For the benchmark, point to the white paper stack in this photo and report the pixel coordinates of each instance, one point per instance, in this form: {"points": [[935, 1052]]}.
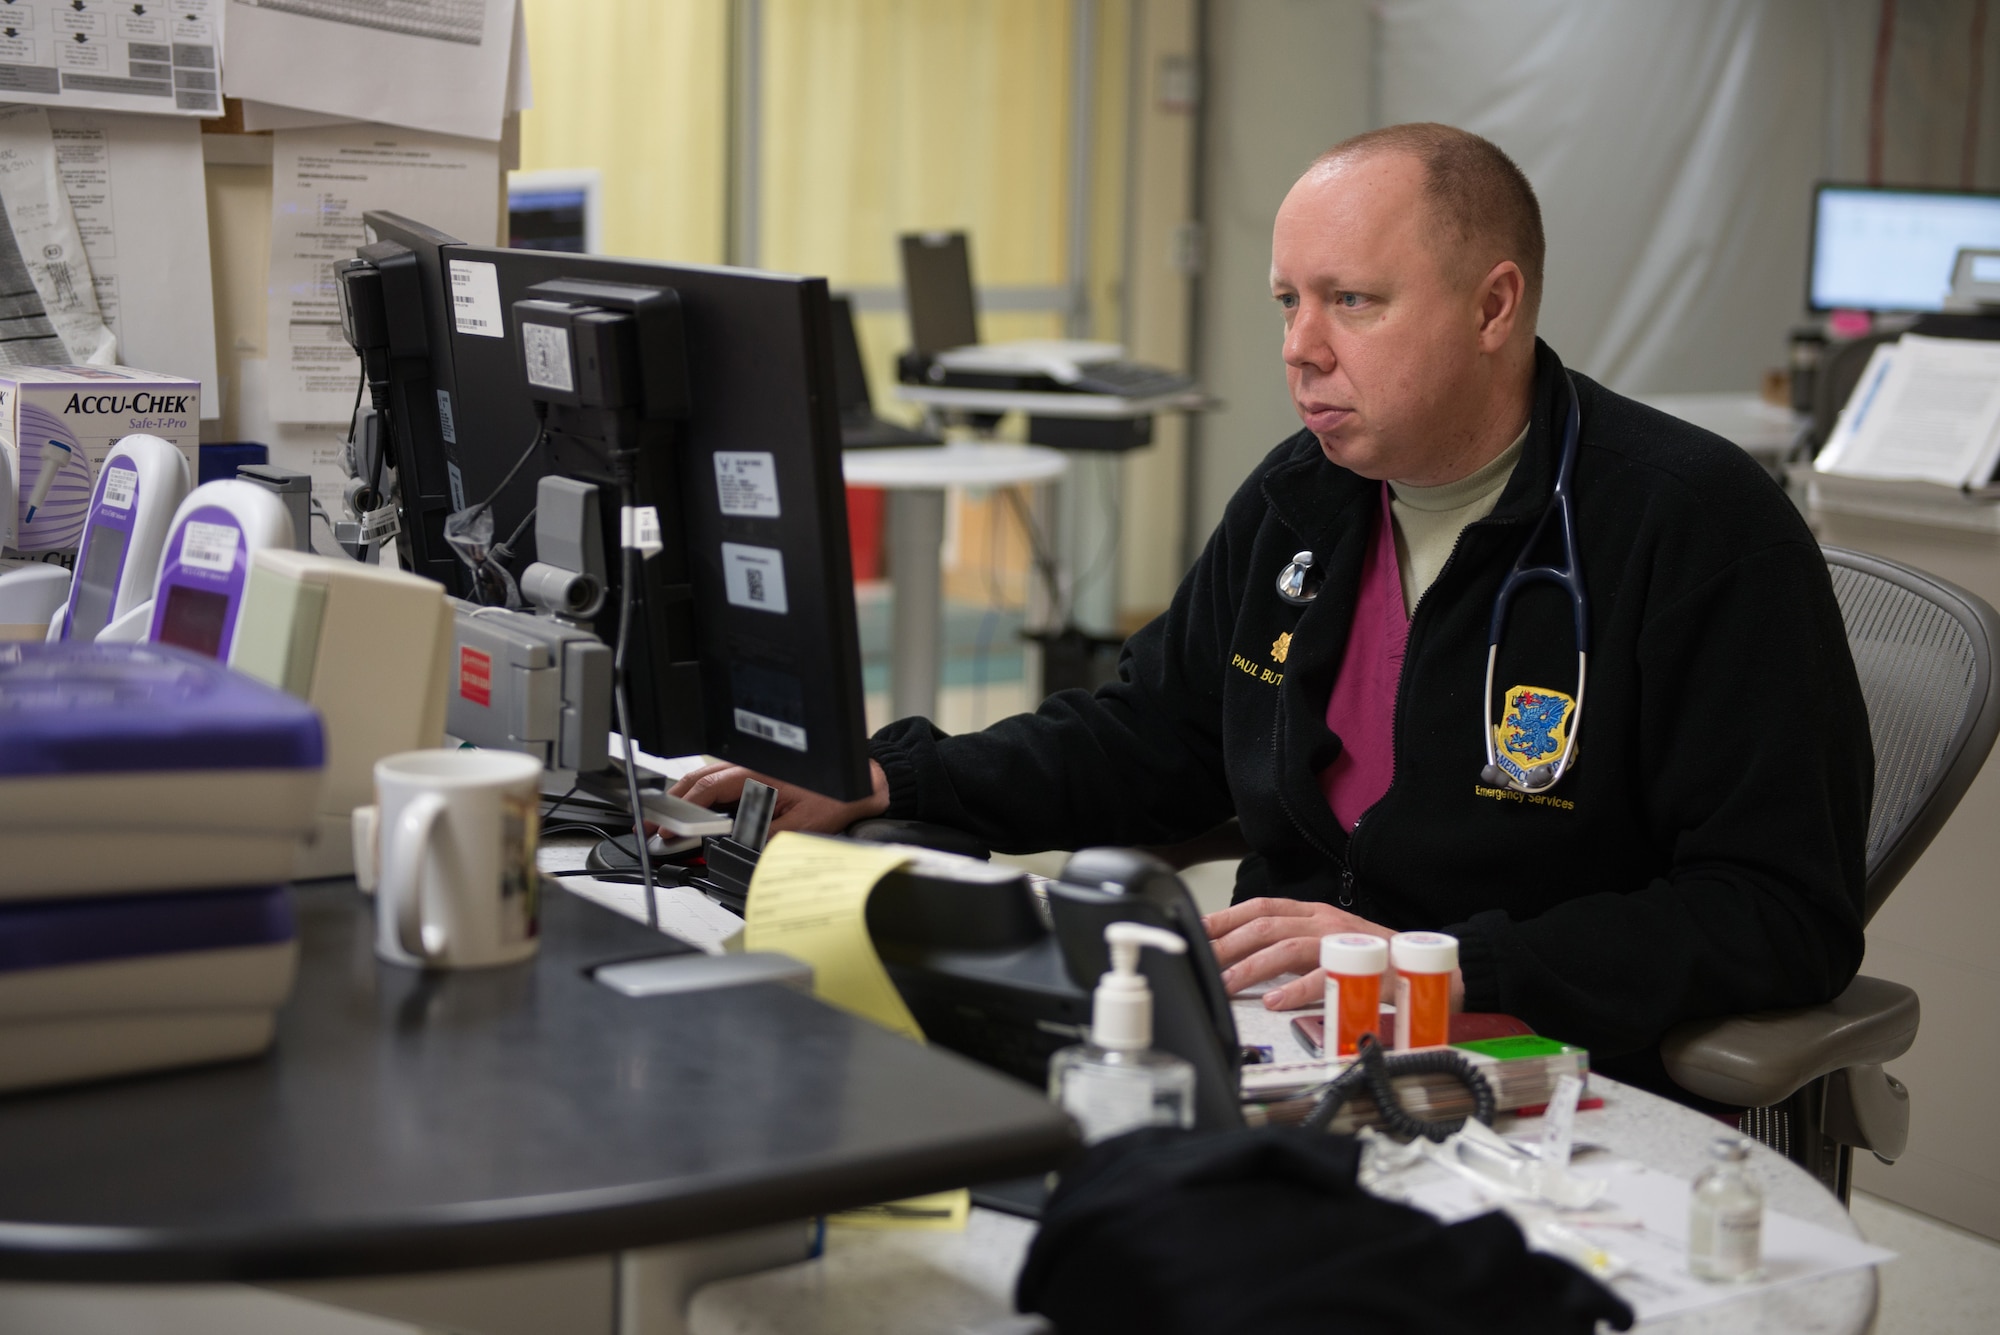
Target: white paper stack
{"points": [[1924, 410]]}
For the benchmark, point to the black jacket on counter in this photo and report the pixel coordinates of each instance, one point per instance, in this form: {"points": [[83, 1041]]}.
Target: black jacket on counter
{"points": [[1702, 857]]}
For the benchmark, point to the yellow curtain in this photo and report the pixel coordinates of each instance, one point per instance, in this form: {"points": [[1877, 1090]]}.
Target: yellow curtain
{"points": [[638, 89], [887, 116], [877, 117]]}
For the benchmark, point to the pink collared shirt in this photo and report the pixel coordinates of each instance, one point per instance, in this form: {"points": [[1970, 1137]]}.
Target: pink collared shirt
{"points": [[1362, 709]]}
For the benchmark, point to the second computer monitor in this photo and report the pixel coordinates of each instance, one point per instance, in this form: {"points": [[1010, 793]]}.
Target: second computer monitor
{"points": [[1876, 249]]}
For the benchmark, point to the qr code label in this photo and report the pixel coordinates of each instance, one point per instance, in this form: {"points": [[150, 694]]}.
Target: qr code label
{"points": [[754, 577], [545, 348]]}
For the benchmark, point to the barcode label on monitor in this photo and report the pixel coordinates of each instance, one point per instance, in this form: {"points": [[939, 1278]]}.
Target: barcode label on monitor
{"points": [[771, 730], [475, 299]]}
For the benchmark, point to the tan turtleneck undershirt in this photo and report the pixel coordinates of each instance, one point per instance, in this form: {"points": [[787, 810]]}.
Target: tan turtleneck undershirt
{"points": [[1429, 519]]}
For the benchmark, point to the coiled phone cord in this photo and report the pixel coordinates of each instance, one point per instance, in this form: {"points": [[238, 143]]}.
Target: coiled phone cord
{"points": [[1373, 1070]]}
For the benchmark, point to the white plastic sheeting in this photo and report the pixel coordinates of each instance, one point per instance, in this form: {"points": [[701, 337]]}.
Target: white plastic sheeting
{"points": [[1674, 149]]}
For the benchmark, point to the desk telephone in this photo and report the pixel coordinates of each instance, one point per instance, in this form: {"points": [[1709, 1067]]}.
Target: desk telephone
{"points": [[1001, 973]]}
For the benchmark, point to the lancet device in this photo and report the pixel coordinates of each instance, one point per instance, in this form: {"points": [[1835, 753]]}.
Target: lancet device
{"points": [[142, 482], [55, 454]]}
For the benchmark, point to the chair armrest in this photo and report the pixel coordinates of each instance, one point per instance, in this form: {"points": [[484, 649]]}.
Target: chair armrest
{"points": [[1757, 1060]]}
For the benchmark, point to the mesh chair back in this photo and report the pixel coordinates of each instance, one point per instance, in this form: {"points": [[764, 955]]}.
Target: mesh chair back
{"points": [[1924, 652]]}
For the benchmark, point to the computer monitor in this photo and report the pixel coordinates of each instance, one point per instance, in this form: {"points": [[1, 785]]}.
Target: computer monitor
{"points": [[556, 209], [1891, 249], [849, 375], [860, 428], [937, 291], [415, 368], [743, 641]]}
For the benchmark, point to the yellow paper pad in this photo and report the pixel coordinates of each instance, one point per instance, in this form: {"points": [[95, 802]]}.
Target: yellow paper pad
{"points": [[809, 899], [944, 1212]]}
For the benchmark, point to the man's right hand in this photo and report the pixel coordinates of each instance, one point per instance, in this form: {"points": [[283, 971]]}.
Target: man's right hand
{"points": [[796, 808]]}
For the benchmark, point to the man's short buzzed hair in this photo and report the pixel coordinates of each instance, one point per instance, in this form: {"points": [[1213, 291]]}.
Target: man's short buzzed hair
{"points": [[1476, 194]]}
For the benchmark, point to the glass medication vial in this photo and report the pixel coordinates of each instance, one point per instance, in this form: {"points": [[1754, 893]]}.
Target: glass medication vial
{"points": [[1354, 963], [1424, 962], [1726, 1216]]}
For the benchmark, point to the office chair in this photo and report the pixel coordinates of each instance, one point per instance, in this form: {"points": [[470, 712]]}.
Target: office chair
{"points": [[1811, 1079]]}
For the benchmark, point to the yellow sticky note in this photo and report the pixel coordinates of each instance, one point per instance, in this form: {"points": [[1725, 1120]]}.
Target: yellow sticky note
{"points": [[809, 899], [946, 1211]]}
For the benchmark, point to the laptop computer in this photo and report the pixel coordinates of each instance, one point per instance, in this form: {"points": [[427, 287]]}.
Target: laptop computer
{"points": [[860, 428], [946, 351]]}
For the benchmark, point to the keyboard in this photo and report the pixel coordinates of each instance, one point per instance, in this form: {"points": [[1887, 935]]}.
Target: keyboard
{"points": [[1128, 380], [865, 431]]}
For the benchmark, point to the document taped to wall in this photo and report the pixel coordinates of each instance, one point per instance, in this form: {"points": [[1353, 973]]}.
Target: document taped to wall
{"points": [[323, 180], [165, 59]]}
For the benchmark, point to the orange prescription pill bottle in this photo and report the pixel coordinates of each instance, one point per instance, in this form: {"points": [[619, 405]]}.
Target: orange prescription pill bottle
{"points": [[1424, 962], [1354, 962]]}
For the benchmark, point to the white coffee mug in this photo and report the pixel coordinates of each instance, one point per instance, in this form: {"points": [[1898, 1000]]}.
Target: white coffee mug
{"points": [[453, 860]]}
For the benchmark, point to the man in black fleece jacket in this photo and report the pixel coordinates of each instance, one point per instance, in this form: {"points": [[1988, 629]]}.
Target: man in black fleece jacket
{"points": [[1704, 854]]}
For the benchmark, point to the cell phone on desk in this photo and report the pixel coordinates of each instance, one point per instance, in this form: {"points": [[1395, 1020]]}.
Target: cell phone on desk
{"points": [[1310, 1030]]}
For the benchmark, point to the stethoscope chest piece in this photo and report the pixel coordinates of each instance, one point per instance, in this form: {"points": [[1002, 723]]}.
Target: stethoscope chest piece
{"points": [[1298, 582]]}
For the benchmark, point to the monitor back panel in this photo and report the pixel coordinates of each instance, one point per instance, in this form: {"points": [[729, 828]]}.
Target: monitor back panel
{"points": [[423, 394], [850, 377], [779, 652]]}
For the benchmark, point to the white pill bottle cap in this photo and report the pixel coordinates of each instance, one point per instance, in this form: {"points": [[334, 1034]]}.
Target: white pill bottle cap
{"points": [[1353, 953], [1424, 952], [1121, 1012]]}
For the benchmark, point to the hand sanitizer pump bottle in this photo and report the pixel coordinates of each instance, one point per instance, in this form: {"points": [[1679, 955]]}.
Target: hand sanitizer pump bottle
{"points": [[1116, 1082]]}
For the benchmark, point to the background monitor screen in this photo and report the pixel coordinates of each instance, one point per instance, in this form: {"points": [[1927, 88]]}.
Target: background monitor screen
{"points": [[1893, 250], [556, 209], [547, 220]]}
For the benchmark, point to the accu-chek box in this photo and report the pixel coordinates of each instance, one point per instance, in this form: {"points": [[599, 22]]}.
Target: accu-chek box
{"points": [[56, 425], [127, 768]]}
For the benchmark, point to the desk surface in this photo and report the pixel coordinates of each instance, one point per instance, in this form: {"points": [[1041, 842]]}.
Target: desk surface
{"points": [[410, 1122], [906, 1283]]}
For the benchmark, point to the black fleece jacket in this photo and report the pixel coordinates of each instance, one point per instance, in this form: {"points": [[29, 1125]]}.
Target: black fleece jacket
{"points": [[1702, 857]]}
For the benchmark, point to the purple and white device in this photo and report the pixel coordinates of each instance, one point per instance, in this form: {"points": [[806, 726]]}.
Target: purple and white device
{"points": [[207, 560], [142, 481]]}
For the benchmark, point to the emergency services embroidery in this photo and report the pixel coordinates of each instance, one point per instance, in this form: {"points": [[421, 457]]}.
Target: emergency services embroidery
{"points": [[1533, 727], [1280, 647]]}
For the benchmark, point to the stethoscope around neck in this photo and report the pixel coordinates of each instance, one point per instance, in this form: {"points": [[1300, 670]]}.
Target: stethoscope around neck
{"points": [[1299, 583]]}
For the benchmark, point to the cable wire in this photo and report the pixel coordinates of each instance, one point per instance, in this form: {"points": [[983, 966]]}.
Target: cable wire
{"points": [[1375, 1071], [629, 594]]}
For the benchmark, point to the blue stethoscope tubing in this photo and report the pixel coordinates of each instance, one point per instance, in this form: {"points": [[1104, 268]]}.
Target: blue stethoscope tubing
{"points": [[1569, 577]]}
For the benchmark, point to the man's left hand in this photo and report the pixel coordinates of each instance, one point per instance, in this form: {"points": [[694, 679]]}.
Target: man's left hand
{"points": [[1262, 938]]}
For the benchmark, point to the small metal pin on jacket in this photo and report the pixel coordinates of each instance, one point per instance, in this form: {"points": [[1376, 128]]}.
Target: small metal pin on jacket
{"points": [[1298, 582]]}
